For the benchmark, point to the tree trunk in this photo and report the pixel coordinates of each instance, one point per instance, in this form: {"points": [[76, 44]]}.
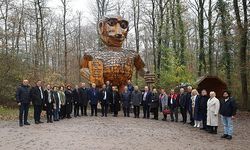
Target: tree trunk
{"points": [[64, 2], [225, 35], [159, 37], [242, 32], [153, 34], [136, 10], [181, 34], [202, 61]]}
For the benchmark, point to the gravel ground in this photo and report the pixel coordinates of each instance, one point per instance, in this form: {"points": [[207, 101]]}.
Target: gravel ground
{"points": [[119, 133]]}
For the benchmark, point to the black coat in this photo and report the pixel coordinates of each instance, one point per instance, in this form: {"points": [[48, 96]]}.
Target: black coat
{"points": [[108, 96], [23, 94], [115, 101], [148, 99], [76, 96], [188, 105], [202, 104], [175, 103], [46, 97], [69, 101], [228, 108], [36, 96], [49, 106], [83, 96], [182, 100], [154, 100]]}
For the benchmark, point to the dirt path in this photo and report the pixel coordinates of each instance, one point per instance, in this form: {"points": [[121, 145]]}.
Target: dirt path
{"points": [[118, 133]]}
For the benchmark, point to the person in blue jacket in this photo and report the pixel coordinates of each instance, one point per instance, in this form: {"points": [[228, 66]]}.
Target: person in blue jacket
{"points": [[228, 111], [126, 100], [23, 100], [94, 97]]}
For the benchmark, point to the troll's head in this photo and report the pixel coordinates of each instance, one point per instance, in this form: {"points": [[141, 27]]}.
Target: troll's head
{"points": [[113, 31]]}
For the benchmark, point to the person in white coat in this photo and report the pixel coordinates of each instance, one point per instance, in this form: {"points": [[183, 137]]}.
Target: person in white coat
{"points": [[213, 107]]}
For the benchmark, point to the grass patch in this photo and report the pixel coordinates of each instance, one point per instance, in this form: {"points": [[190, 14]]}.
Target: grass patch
{"points": [[12, 113]]}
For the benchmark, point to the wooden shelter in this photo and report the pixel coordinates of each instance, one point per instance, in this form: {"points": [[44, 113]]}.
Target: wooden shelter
{"points": [[211, 83]]}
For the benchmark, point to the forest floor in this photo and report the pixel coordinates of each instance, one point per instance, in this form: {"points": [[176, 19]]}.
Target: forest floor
{"points": [[119, 133]]}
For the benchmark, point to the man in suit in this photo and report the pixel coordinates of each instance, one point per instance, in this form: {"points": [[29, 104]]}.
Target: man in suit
{"points": [[115, 100], [49, 101], [83, 103], [146, 101], [136, 98], [37, 96], [109, 92], [23, 100], [76, 99], [182, 102], [189, 105], [93, 96], [105, 100]]}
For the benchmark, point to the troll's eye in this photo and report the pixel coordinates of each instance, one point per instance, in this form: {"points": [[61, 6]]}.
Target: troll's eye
{"points": [[112, 21], [124, 24]]}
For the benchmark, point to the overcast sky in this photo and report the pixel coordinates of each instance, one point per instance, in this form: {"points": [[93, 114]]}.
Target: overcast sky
{"points": [[83, 6]]}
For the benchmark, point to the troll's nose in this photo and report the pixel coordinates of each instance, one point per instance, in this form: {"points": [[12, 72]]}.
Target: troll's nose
{"points": [[118, 35]]}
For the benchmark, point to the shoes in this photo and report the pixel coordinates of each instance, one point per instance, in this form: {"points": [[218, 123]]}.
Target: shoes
{"points": [[164, 119], [40, 122], [26, 123], [20, 125], [191, 123], [224, 136], [36, 122], [229, 137]]}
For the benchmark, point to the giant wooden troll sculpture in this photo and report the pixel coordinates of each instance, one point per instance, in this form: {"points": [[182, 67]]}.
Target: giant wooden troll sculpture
{"points": [[111, 62]]}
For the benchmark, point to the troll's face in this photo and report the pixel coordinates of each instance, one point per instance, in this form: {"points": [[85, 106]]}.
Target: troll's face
{"points": [[113, 31]]}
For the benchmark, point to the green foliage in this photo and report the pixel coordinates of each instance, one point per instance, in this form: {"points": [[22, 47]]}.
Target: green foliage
{"points": [[12, 70], [172, 73]]}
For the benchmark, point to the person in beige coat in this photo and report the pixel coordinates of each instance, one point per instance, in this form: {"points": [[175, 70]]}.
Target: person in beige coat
{"points": [[213, 107]]}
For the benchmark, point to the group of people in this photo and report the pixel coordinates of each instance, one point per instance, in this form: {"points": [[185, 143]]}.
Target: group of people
{"points": [[61, 102]]}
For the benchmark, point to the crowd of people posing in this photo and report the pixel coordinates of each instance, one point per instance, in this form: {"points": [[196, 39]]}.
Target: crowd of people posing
{"points": [[61, 102]]}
